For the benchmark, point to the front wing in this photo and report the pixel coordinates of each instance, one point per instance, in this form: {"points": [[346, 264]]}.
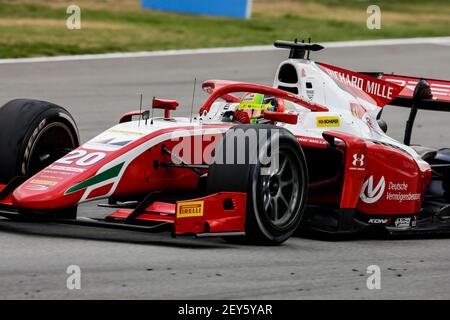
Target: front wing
{"points": [[217, 215]]}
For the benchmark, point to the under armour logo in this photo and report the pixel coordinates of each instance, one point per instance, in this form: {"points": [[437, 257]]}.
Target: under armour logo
{"points": [[359, 161]]}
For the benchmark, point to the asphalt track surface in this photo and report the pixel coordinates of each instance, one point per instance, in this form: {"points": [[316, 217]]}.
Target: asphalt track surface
{"points": [[127, 265]]}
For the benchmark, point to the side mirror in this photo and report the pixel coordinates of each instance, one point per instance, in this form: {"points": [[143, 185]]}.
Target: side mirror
{"points": [[281, 117], [165, 104], [127, 117]]}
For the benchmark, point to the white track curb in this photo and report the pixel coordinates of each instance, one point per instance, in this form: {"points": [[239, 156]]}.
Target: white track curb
{"points": [[145, 54]]}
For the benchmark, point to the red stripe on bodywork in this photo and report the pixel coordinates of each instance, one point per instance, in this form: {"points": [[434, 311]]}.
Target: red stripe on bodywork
{"points": [[440, 89]]}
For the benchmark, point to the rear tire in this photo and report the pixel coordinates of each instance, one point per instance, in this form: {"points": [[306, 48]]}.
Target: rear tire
{"points": [[276, 196], [34, 134]]}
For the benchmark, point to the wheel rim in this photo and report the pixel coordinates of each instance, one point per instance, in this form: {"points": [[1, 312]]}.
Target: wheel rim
{"points": [[53, 142], [281, 191]]}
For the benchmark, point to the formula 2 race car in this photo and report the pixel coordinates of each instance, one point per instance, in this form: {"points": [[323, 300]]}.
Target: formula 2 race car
{"points": [[254, 165]]}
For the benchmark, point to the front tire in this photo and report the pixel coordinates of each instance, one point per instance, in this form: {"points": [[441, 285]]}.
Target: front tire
{"points": [[276, 194], [34, 134]]}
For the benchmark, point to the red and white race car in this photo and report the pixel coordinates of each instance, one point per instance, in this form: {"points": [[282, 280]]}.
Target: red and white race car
{"points": [[256, 162]]}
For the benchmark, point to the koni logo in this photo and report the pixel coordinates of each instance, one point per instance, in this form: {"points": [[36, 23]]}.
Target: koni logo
{"points": [[370, 193]]}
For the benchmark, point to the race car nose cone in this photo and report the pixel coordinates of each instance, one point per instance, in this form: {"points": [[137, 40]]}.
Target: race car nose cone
{"points": [[39, 194]]}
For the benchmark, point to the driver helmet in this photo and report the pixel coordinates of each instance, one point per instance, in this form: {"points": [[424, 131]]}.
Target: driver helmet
{"points": [[253, 105]]}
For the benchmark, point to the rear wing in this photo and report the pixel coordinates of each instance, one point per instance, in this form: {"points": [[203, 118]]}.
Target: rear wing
{"points": [[425, 94], [440, 91]]}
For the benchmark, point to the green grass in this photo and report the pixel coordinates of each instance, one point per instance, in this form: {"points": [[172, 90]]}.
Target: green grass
{"points": [[37, 28]]}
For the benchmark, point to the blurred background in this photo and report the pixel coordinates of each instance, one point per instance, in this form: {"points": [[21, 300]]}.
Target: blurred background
{"points": [[38, 27]]}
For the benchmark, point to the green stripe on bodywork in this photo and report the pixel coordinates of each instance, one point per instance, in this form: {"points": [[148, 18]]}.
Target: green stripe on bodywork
{"points": [[105, 175]]}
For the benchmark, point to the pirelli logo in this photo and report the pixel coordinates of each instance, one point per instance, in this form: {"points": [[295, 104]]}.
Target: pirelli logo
{"points": [[328, 122], [190, 209]]}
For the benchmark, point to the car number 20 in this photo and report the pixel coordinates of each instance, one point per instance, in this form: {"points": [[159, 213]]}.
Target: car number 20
{"points": [[82, 158]]}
